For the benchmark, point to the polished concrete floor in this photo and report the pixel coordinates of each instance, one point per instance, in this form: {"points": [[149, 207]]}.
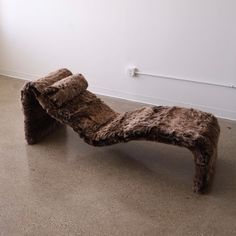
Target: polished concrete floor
{"points": [[63, 186]]}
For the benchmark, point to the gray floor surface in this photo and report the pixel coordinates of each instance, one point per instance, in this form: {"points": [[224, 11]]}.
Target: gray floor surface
{"points": [[63, 186]]}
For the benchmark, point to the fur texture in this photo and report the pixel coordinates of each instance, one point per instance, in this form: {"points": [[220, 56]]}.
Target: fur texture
{"points": [[62, 98]]}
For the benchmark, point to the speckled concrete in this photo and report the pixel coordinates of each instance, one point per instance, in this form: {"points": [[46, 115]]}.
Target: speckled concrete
{"points": [[63, 186]]}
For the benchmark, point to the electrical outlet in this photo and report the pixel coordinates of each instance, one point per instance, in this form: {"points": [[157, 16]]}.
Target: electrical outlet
{"points": [[132, 71]]}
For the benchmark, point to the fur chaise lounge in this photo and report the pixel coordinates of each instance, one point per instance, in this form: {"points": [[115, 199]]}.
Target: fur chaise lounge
{"points": [[62, 98]]}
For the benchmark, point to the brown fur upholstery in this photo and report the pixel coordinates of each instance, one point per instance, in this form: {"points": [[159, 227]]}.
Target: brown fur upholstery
{"points": [[63, 98]]}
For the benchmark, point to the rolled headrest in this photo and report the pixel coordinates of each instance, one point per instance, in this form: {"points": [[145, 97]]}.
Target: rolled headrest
{"points": [[42, 83], [66, 89]]}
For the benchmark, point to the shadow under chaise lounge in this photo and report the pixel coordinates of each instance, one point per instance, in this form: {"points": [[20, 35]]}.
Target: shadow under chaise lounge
{"points": [[62, 98]]}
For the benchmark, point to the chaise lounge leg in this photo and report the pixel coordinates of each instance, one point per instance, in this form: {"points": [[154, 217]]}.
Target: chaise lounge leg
{"points": [[204, 170], [38, 123]]}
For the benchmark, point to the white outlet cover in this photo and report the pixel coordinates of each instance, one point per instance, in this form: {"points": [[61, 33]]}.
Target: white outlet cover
{"points": [[131, 71]]}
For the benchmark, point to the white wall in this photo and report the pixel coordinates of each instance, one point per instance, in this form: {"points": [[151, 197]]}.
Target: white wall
{"points": [[181, 38]]}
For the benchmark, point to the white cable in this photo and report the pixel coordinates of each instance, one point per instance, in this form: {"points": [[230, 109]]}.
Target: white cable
{"points": [[136, 72]]}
